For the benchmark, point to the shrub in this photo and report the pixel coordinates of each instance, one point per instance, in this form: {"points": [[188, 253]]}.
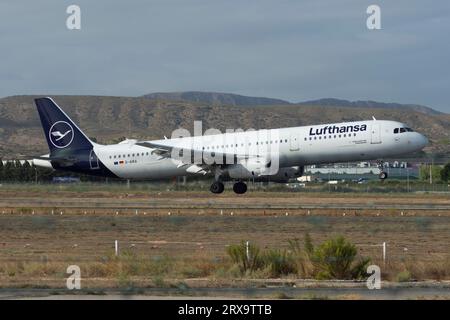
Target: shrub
{"points": [[238, 254], [445, 173], [403, 276], [280, 262], [335, 259], [302, 256]]}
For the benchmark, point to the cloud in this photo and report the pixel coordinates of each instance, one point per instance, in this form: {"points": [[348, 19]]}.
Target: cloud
{"points": [[295, 50]]}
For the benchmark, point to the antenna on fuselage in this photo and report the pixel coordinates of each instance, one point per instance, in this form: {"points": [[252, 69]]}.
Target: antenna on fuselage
{"points": [[374, 118]]}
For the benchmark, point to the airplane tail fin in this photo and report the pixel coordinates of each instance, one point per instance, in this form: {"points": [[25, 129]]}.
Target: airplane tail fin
{"points": [[59, 130]]}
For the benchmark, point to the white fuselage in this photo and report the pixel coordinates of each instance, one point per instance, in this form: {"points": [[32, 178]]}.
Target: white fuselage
{"points": [[296, 146]]}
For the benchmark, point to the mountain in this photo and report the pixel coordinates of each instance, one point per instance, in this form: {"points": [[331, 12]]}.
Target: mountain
{"points": [[331, 102], [110, 119], [215, 98]]}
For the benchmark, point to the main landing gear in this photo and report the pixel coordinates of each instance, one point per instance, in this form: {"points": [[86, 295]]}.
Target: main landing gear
{"points": [[218, 187], [383, 174], [240, 187]]}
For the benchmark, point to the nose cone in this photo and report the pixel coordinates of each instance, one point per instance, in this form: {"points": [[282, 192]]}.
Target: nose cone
{"points": [[423, 141]]}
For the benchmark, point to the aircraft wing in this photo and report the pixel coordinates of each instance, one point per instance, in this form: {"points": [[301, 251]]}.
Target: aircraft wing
{"points": [[158, 149], [165, 151]]}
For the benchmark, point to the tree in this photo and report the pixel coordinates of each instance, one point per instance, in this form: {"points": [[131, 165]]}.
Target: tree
{"points": [[445, 173], [1, 169], [27, 172], [8, 171], [18, 172], [424, 172]]}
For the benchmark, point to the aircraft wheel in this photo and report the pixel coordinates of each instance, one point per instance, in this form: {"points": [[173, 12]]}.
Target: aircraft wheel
{"points": [[240, 187], [383, 175], [217, 187]]}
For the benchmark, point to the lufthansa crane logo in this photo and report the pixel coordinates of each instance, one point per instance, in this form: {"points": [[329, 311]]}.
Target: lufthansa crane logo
{"points": [[61, 134]]}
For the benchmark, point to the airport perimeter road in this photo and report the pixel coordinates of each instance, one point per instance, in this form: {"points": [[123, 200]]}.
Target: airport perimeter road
{"points": [[392, 293]]}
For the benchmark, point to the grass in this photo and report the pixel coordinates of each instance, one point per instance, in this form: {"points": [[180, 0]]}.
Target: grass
{"points": [[396, 187]]}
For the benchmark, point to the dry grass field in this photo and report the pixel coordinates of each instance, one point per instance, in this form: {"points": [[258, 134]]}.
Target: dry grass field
{"points": [[183, 243]]}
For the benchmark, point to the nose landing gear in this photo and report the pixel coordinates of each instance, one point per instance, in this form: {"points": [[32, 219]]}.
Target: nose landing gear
{"points": [[383, 174]]}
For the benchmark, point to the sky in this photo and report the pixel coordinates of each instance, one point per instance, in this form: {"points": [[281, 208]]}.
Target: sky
{"points": [[289, 49]]}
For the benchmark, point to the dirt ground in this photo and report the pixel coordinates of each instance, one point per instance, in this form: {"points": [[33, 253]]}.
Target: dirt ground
{"points": [[36, 246]]}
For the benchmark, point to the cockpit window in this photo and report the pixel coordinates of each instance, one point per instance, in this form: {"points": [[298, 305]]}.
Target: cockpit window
{"points": [[396, 130], [402, 130], [409, 130]]}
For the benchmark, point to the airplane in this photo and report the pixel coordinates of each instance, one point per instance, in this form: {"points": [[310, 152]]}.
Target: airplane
{"points": [[259, 155]]}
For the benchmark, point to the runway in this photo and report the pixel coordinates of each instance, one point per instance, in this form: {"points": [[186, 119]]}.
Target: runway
{"points": [[390, 293]]}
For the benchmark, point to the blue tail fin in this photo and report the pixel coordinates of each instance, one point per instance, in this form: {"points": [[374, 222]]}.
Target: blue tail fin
{"points": [[59, 130]]}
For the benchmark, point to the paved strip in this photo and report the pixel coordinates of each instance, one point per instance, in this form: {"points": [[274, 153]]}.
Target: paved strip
{"points": [[249, 203]]}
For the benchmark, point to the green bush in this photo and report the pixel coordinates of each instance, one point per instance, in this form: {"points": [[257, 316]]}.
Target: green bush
{"points": [[279, 262], [238, 254], [445, 173], [335, 259], [404, 276]]}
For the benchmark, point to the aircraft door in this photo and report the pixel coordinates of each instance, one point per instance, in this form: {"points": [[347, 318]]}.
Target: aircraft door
{"points": [[93, 160], [375, 133], [295, 142]]}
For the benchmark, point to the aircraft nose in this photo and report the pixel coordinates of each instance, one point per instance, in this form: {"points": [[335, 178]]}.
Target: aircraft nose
{"points": [[423, 141]]}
